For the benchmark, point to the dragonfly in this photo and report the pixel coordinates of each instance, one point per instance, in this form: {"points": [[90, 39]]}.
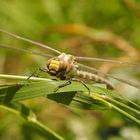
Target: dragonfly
{"points": [[66, 66]]}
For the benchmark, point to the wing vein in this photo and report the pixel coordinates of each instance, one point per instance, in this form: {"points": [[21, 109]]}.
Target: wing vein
{"points": [[105, 60], [108, 75], [30, 41]]}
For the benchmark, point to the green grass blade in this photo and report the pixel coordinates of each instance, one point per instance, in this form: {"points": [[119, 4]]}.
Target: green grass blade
{"points": [[31, 119], [74, 95]]}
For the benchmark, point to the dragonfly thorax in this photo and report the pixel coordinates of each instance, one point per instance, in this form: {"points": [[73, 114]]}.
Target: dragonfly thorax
{"points": [[61, 65]]}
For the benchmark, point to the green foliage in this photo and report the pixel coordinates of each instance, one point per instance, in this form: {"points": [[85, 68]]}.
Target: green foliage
{"points": [[111, 30], [98, 99]]}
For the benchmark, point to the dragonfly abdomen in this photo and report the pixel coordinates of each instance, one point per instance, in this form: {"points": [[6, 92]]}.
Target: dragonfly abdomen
{"points": [[93, 77]]}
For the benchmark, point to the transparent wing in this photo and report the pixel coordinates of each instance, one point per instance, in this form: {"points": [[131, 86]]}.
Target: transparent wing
{"points": [[58, 52], [94, 70], [105, 60], [26, 51], [77, 58], [30, 41]]}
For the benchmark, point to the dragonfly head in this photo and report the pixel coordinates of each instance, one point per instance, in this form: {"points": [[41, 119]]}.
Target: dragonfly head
{"points": [[61, 65], [53, 66]]}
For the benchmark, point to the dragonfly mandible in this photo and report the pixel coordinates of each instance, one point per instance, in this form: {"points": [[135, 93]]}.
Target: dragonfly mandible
{"points": [[66, 67]]}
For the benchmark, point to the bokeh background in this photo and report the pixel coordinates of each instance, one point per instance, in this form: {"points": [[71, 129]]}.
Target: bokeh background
{"points": [[96, 28]]}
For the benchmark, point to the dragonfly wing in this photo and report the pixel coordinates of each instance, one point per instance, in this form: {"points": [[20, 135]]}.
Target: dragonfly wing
{"points": [[30, 41], [105, 60], [25, 51]]}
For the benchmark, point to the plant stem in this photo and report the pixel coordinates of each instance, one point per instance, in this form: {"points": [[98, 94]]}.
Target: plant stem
{"points": [[126, 114], [123, 105], [34, 121], [101, 98], [16, 77], [48, 130]]}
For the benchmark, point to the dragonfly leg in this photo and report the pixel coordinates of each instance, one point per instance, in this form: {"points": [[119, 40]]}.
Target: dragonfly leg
{"points": [[84, 84], [45, 70], [35, 73], [69, 82], [63, 85]]}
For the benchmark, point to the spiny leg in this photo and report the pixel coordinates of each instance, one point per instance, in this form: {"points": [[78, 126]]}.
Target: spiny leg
{"points": [[35, 73], [80, 81], [45, 70], [63, 85], [69, 82]]}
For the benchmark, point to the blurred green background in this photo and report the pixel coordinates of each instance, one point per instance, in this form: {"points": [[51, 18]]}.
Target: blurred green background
{"points": [[78, 27]]}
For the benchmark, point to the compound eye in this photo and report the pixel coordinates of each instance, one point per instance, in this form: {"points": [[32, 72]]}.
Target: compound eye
{"points": [[54, 65], [48, 63]]}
